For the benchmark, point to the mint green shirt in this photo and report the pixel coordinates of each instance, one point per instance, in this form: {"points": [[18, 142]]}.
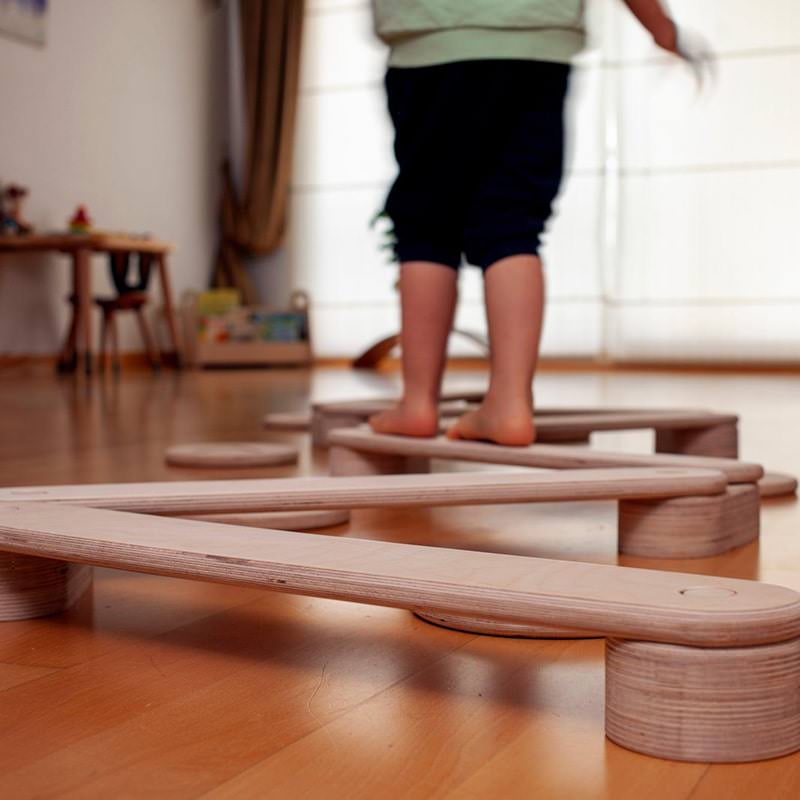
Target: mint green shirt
{"points": [[425, 32]]}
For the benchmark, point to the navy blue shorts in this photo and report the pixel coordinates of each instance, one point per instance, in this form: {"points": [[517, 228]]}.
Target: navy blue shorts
{"points": [[480, 150]]}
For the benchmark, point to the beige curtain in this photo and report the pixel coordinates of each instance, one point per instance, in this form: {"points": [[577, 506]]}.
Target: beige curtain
{"points": [[254, 223]]}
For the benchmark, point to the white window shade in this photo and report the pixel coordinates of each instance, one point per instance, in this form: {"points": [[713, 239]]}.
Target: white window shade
{"points": [[676, 235]]}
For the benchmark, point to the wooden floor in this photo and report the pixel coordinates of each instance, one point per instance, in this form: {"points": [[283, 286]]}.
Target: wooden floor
{"points": [[155, 687]]}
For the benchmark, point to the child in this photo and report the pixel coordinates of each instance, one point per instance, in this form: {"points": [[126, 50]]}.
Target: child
{"points": [[476, 93]]}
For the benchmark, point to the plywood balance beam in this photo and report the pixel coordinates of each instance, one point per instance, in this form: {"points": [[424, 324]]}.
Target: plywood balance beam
{"points": [[182, 498], [669, 512], [681, 527], [363, 440], [688, 432], [698, 668]]}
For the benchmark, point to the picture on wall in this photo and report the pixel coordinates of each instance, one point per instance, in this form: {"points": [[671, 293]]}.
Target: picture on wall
{"points": [[24, 20]]}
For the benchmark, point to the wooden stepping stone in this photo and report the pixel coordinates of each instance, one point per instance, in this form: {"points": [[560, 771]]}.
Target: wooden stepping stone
{"points": [[776, 484], [295, 421], [233, 455], [697, 668]]}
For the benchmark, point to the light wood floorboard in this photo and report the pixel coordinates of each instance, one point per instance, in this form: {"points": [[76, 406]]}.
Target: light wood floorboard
{"points": [[155, 687]]}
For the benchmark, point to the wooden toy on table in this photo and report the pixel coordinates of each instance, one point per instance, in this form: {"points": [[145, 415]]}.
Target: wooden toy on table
{"points": [[12, 219], [697, 668], [80, 221]]}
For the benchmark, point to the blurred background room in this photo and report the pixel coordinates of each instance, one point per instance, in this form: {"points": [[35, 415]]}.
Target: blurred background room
{"points": [[675, 237]]}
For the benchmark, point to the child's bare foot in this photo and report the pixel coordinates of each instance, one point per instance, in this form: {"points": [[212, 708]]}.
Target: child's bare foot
{"points": [[494, 424], [407, 420]]}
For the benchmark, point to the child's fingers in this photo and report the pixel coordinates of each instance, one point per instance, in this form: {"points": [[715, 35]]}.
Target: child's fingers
{"points": [[695, 50]]}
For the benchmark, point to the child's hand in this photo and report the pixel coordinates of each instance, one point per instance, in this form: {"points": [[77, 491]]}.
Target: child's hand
{"points": [[681, 42], [694, 49]]}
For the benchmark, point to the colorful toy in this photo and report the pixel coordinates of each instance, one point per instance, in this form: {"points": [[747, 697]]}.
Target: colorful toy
{"points": [[12, 222], [81, 222]]}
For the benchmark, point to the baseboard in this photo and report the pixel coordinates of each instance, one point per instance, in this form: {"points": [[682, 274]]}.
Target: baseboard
{"points": [[601, 365], [138, 361]]}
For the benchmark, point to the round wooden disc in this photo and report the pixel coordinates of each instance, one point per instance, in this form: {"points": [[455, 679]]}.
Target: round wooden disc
{"points": [[288, 421], [231, 454], [776, 484], [281, 520], [491, 627]]}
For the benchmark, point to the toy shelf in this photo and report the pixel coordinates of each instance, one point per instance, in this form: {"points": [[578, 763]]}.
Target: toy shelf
{"points": [[209, 352]]}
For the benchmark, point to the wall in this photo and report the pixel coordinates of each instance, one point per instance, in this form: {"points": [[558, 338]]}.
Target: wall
{"points": [[122, 110], [676, 234]]}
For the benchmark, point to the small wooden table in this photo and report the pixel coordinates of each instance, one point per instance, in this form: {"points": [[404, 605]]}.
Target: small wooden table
{"points": [[80, 248]]}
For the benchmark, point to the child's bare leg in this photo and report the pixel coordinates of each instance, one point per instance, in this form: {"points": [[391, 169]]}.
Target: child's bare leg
{"points": [[428, 300], [514, 289]]}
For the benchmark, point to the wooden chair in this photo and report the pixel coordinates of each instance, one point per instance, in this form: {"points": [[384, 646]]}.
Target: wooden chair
{"points": [[130, 275], [130, 301]]}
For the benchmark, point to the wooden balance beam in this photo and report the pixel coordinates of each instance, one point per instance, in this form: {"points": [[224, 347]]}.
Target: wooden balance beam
{"points": [[697, 668], [309, 503], [289, 502], [700, 433], [287, 495], [680, 527]]}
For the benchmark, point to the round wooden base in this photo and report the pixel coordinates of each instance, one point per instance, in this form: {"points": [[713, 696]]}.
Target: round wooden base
{"points": [[776, 484], [491, 627], [231, 454], [344, 461], [281, 520], [689, 527], [35, 587], [296, 421], [696, 704], [716, 441], [323, 422]]}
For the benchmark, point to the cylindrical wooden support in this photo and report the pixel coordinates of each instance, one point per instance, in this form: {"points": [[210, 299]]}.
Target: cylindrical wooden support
{"points": [[35, 587], [689, 527], [322, 423], [697, 704], [344, 461], [491, 627], [716, 441]]}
